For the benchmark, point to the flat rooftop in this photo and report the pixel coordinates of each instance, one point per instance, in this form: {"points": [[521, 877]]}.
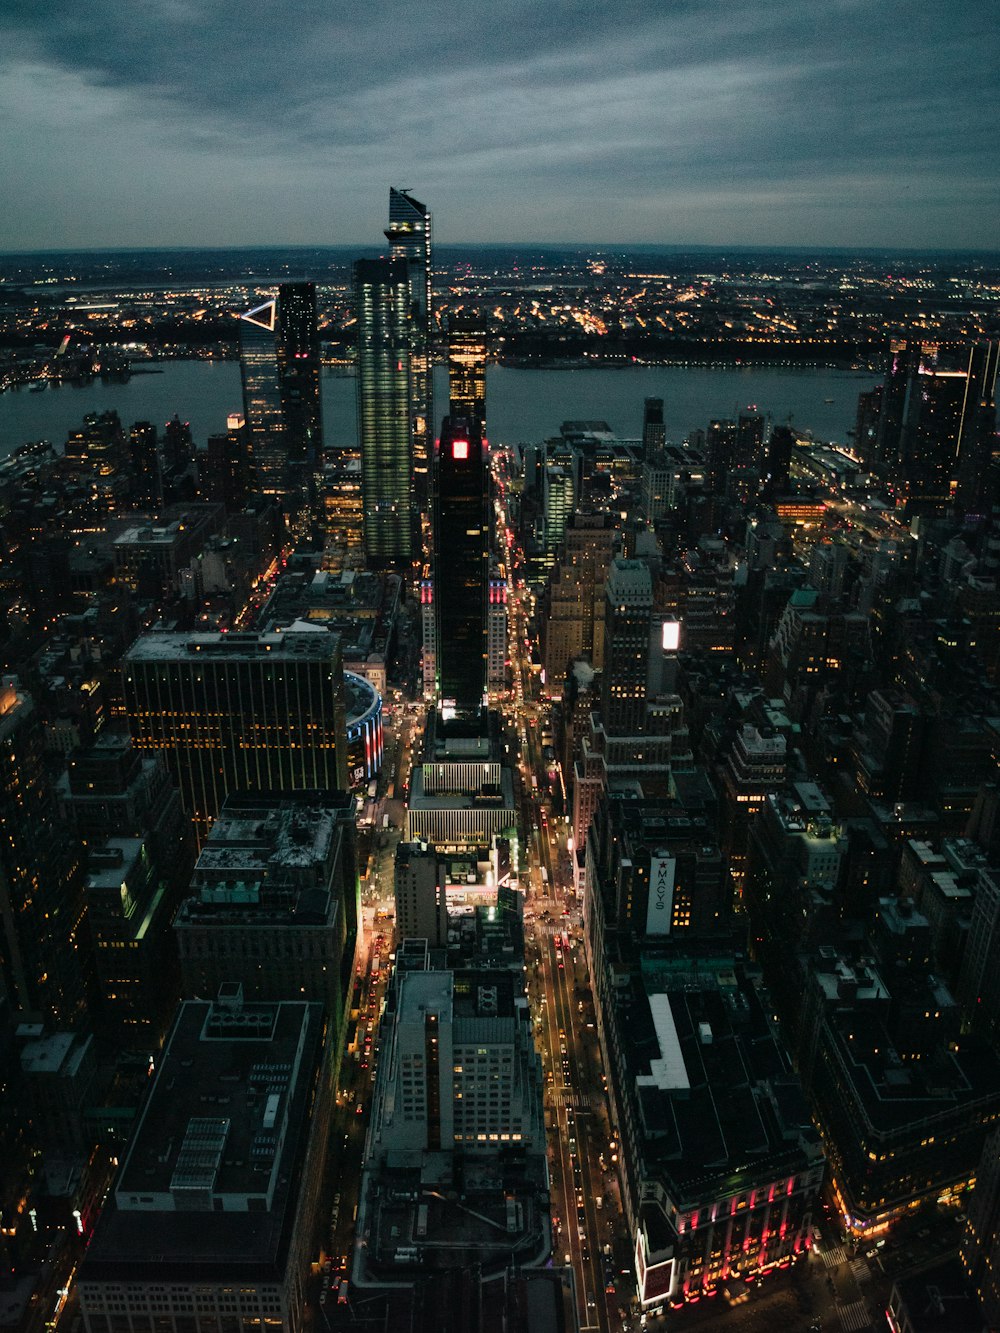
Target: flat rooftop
{"points": [[210, 1181]]}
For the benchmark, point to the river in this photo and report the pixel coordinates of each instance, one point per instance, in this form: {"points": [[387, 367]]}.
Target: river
{"points": [[521, 405]]}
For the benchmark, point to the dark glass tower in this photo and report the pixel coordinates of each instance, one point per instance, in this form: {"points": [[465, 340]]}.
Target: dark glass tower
{"points": [[382, 306], [461, 569], [298, 352], [467, 372], [265, 422], [937, 424], [409, 237], [654, 431], [280, 363]]}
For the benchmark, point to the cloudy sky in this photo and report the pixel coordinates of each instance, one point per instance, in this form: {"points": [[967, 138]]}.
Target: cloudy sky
{"points": [[238, 122]]}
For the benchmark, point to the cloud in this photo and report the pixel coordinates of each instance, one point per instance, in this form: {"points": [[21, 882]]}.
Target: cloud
{"points": [[267, 121]]}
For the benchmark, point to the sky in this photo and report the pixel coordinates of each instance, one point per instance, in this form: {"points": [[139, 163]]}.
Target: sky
{"points": [[710, 122]]}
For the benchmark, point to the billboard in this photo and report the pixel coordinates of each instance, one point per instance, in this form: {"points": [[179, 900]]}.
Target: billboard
{"points": [[661, 894]]}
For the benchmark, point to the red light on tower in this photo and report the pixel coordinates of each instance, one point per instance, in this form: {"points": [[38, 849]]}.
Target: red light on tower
{"points": [[460, 448]]}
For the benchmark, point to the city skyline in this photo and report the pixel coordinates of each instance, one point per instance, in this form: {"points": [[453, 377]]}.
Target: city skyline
{"points": [[780, 125]]}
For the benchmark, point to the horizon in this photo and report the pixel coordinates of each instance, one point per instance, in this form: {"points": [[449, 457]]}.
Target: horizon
{"points": [[794, 123]]}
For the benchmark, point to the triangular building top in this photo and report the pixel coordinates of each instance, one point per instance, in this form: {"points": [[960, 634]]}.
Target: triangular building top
{"points": [[269, 312]]}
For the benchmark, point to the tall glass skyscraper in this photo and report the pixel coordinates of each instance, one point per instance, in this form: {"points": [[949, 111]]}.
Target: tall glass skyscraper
{"points": [[409, 237], [280, 365], [382, 307], [461, 569]]}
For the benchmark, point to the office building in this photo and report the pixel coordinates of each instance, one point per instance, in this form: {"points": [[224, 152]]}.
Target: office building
{"points": [[420, 894], [496, 635], [467, 350], [571, 624], [461, 1069], [44, 945], [239, 712], [461, 795], [903, 1101], [280, 364], [980, 1249], [212, 1217], [627, 619], [382, 296], [144, 457], [409, 237], [654, 432], [720, 1165], [274, 901], [224, 468], [937, 424], [461, 570]]}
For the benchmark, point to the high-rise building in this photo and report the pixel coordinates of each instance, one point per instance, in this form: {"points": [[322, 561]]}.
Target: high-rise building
{"points": [[239, 712], [937, 423], [461, 568], [224, 469], [382, 294], [467, 371], [654, 431], [627, 617], [280, 362], [409, 237], [147, 483], [43, 944], [980, 1251]]}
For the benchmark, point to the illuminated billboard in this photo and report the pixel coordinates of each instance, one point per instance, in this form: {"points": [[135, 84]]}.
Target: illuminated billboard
{"points": [[671, 635], [661, 895]]}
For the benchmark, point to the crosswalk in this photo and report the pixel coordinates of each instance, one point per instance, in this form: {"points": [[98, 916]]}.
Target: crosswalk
{"points": [[853, 1316], [861, 1271], [838, 1255]]}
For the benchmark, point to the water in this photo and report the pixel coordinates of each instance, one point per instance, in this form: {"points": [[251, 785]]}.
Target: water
{"points": [[522, 405]]}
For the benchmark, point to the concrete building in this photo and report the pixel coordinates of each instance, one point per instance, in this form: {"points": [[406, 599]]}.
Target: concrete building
{"points": [[274, 902], [212, 1218]]}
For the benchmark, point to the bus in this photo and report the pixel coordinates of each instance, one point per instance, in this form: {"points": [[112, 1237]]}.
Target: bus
{"points": [[545, 875]]}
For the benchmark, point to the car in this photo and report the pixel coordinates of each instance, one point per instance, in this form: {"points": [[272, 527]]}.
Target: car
{"points": [[359, 1109]]}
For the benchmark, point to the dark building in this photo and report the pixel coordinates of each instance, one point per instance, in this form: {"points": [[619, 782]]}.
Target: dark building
{"points": [[239, 712], [274, 901], [937, 423], [775, 473], [147, 483], [382, 305], [44, 949], [213, 1215], [654, 432], [140, 854], [280, 363], [627, 619], [461, 569], [409, 237], [981, 1242], [467, 372], [224, 468]]}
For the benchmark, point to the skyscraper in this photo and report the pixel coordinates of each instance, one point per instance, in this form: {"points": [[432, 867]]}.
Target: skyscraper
{"points": [[937, 424], [280, 364], [654, 432], [298, 353], [382, 305], [409, 237], [239, 712], [467, 371], [461, 568], [43, 939], [627, 618]]}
